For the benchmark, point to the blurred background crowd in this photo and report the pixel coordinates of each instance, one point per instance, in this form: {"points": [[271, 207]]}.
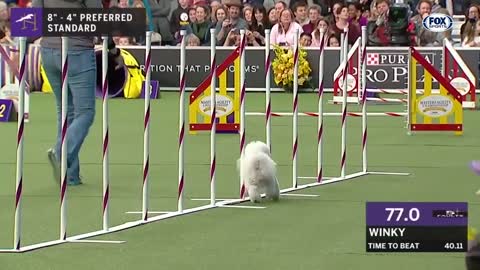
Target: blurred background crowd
{"points": [[388, 23]]}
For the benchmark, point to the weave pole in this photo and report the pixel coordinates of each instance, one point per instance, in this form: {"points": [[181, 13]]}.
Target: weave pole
{"points": [[213, 106], [19, 170], [295, 109], [320, 107], [344, 45], [181, 123], [63, 192], [268, 100], [243, 44], [363, 81], [106, 172], [146, 126]]}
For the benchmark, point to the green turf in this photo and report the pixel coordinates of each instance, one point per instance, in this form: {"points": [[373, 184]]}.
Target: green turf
{"points": [[325, 232]]}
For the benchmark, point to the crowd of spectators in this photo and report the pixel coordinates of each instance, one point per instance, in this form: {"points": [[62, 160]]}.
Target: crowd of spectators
{"points": [[283, 18]]}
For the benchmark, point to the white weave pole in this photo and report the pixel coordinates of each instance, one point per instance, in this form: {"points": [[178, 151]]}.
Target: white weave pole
{"points": [[363, 81], [146, 125], [63, 192], [344, 44], [213, 106], [243, 44], [320, 107], [295, 109], [21, 124], [181, 123], [106, 172], [268, 100]]}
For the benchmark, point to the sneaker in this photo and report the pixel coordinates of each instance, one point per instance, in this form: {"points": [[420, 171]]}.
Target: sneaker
{"points": [[52, 158], [72, 182]]}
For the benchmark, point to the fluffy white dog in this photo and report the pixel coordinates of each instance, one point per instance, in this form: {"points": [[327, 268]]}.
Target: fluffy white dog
{"points": [[258, 171]]}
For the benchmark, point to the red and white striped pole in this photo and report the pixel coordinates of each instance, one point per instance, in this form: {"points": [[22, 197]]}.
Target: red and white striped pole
{"points": [[320, 107], [268, 100], [344, 45], [243, 44], [63, 191], [21, 124], [363, 80], [213, 106], [295, 109], [181, 123], [106, 172], [146, 126]]}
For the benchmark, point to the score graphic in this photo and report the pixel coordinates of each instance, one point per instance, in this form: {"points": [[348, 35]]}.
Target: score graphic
{"points": [[54, 22], [416, 227]]}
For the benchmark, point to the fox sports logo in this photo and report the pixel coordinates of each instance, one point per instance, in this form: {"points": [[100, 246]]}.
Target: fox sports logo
{"points": [[438, 22]]}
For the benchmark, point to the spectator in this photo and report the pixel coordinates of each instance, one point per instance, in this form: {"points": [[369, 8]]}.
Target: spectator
{"points": [[305, 40], [161, 25], [4, 13], [272, 16], [423, 36], [214, 5], [472, 15], [233, 21], [378, 28], [333, 15], [283, 33], [259, 24], [333, 41], [300, 12], [233, 38], [355, 14], [220, 14], [248, 14], [201, 26], [192, 14], [192, 40], [279, 7], [322, 24], [314, 12], [472, 35], [354, 31], [179, 19]]}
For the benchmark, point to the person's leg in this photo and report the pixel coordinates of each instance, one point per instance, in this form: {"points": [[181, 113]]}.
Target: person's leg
{"points": [[82, 82], [51, 61]]}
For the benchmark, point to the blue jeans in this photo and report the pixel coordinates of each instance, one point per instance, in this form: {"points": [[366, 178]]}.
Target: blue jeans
{"points": [[82, 78]]}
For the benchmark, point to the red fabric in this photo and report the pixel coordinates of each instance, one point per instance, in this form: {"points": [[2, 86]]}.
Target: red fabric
{"points": [[22, 3]]}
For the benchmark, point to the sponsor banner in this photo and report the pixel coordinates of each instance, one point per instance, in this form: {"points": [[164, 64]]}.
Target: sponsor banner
{"points": [[386, 69]]}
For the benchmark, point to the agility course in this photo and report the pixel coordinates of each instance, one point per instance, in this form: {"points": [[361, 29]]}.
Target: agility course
{"points": [[148, 186]]}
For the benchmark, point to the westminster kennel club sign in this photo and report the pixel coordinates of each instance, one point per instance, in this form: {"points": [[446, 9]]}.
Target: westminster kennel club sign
{"points": [[386, 69]]}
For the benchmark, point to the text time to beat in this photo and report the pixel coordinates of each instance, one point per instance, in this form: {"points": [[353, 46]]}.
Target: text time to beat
{"points": [[416, 226]]}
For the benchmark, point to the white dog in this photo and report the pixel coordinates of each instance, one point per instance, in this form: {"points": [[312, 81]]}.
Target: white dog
{"points": [[258, 171]]}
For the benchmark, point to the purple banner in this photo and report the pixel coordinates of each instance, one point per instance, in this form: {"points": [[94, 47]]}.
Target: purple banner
{"points": [[5, 109], [417, 214]]}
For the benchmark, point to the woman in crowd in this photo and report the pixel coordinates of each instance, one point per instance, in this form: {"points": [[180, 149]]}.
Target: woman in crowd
{"points": [[354, 31], [259, 24], [355, 11], [322, 24], [248, 15], [472, 15], [471, 36], [424, 37], [272, 16], [214, 5], [283, 33], [201, 26], [220, 14]]}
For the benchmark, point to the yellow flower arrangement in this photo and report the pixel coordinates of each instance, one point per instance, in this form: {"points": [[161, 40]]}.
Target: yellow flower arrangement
{"points": [[283, 67]]}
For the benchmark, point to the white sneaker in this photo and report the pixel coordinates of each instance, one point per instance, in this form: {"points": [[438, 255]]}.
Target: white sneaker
{"points": [[52, 158]]}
